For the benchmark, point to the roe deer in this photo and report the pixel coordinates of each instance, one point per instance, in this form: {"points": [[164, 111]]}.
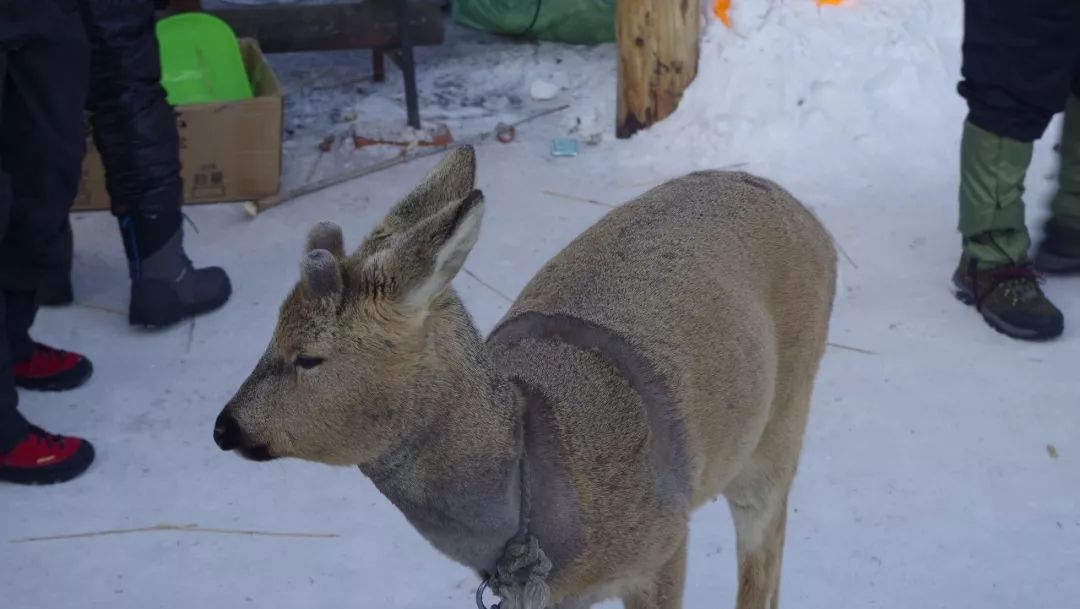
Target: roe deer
{"points": [[664, 357]]}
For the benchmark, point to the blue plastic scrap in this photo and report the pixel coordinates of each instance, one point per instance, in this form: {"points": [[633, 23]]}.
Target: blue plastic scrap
{"points": [[564, 147]]}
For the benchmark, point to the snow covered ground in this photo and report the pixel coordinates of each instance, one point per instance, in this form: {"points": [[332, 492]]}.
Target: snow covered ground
{"points": [[941, 469]]}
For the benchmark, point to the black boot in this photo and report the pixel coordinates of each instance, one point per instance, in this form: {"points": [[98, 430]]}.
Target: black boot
{"points": [[165, 286], [1059, 252]]}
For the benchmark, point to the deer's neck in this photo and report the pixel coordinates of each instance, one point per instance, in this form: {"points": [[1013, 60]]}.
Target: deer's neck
{"points": [[455, 471]]}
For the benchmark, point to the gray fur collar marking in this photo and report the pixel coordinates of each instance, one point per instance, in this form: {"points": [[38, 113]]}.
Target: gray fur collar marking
{"points": [[670, 464], [554, 514], [548, 511], [468, 518]]}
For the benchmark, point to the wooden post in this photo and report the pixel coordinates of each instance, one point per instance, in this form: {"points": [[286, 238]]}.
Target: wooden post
{"points": [[658, 55]]}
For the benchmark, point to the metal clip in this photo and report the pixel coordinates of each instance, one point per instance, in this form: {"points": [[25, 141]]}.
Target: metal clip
{"points": [[480, 597]]}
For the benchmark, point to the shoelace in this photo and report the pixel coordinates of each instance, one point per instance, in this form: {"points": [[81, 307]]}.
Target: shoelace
{"points": [[188, 265], [1019, 281], [190, 222]]}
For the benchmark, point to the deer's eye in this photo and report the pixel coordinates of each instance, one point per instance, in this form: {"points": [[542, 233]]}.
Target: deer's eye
{"points": [[307, 362]]}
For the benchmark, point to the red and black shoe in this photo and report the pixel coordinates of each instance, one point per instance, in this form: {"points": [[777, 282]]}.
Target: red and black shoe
{"points": [[43, 458], [49, 369]]}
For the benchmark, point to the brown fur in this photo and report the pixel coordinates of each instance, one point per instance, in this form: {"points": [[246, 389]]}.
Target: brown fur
{"points": [[664, 357]]}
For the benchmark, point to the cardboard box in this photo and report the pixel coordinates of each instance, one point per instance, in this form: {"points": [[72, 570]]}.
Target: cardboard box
{"points": [[228, 151]]}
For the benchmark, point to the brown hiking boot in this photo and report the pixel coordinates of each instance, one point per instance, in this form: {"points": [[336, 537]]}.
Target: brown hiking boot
{"points": [[1010, 299], [1059, 251]]}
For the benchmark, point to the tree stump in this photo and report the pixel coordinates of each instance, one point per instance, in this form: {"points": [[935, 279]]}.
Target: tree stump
{"points": [[658, 44]]}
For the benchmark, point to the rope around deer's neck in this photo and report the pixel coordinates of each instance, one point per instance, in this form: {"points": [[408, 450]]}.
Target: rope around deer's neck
{"points": [[520, 577]]}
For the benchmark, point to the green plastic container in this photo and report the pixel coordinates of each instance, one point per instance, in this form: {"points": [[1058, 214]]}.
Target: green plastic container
{"points": [[200, 60]]}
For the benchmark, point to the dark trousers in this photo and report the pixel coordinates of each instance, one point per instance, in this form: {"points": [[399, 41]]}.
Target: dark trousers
{"points": [[1021, 60], [134, 126], [43, 81]]}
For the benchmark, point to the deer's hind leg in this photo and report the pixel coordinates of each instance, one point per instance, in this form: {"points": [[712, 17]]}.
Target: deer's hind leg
{"points": [[760, 532], [665, 591], [758, 500]]}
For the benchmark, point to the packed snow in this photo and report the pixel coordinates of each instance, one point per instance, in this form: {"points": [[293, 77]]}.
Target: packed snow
{"points": [[942, 462]]}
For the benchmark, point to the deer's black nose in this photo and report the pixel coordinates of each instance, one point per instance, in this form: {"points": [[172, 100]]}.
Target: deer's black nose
{"points": [[227, 432]]}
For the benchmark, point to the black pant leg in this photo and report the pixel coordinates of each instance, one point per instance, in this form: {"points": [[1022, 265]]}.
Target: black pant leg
{"points": [[43, 79], [42, 150], [1076, 73], [1019, 58], [22, 308], [12, 424], [134, 126]]}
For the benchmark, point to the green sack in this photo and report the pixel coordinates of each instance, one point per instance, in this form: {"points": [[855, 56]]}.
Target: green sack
{"points": [[570, 21]]}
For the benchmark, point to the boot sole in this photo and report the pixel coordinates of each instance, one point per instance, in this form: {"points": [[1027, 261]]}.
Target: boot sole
{"points": [[1003, 327], [68, 469], [159, 313]]}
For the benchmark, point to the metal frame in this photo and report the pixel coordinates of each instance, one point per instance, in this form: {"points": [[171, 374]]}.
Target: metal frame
{"points": [[408, 68]]}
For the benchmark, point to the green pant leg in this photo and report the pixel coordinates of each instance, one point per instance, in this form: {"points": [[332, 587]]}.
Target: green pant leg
{"points": [[992, 171], [1066, 204]]}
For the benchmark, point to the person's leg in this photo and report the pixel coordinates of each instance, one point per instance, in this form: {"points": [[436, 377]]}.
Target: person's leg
{"points": [[13, 427], [992, 172], [134, 126], [21, 311], [29, 454], [57, 291], [1017, 67], [1018, 60], [1059, 251], [40, 79], [1065, 206], [135, 132], [42, 151], [37, 366]]}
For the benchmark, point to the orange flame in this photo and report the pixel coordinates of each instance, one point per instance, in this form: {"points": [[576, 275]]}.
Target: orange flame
{"points": [[720, 8]]}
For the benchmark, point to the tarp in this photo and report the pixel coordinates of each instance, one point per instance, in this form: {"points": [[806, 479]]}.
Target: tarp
{"points": [[570, 21]]}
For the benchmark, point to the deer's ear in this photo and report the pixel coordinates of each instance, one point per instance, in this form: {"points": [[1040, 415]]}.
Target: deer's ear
{"points": [[417, 267], [321, 277], [326, 236], [450, 182]]}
